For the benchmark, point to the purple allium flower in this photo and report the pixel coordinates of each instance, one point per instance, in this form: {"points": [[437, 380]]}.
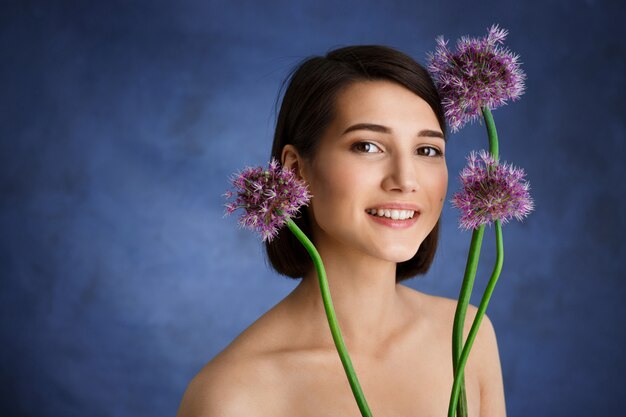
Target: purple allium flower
{"points": [[269, 197], [479, 74], [491, 191]]}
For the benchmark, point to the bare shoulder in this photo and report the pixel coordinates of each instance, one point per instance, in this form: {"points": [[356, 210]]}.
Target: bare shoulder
{"points": [[484, 354], [238, 381], [441, 312], [231, 384], [217, 390]]}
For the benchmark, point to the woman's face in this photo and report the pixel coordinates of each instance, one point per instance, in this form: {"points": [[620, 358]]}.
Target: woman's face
{"points": [[388, 163]]}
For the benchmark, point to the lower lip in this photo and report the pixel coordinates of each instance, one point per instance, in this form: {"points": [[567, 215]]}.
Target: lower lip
{"points": [[396, 224]]}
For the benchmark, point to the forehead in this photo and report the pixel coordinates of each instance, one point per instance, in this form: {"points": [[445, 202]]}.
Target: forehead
{"points": [[383, 102]]}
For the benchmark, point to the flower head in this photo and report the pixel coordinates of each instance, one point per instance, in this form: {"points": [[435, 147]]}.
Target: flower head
{"points": [[479, 74], [491, 191], [269, 197]]}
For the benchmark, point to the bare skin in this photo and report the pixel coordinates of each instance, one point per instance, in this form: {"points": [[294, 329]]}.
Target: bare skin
{"points": [[399, 340], [278, 367]]}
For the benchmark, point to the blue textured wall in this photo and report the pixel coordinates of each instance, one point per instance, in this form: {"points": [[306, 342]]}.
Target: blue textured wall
{"points": [[121, 121]]}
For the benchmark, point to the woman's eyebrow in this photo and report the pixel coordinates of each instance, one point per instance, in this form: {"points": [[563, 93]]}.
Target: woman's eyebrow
{"points": [[384, 129]]}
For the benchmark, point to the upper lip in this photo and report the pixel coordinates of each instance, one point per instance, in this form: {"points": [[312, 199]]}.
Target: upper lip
{"points": [[397, 205]]}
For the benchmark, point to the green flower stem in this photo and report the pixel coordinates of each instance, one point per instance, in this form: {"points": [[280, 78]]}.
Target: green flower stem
{"points": [[332, 319], [468, 282], [461, 308], [492, 132], [479, 315]]}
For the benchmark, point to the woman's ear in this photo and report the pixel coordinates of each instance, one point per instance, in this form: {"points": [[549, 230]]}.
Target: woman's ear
{"points": [[291, 160]]}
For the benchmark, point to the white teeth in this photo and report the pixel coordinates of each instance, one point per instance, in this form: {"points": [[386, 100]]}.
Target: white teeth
{"points": [[392, 213]]}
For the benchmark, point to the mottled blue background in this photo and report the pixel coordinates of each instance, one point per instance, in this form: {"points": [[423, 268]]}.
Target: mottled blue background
{"points": [[121, 121]]}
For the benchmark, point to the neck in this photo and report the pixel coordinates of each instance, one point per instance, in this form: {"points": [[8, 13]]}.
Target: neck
{"points": [[366, 299]]}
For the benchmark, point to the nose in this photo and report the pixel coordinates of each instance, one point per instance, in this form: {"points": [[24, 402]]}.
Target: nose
{"points": [[401, 175]]}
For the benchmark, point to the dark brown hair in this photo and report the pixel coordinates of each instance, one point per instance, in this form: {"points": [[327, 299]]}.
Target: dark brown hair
{"points": [[308, 107]]}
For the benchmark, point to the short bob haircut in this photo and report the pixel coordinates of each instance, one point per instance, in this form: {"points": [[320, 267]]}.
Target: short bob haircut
{"points": [[307, 109]]}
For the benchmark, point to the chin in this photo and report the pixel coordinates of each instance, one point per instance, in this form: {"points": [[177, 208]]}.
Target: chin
{"points": [[400, 255]]}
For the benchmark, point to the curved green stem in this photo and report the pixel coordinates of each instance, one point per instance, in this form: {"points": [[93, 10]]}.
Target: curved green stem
{"points": [[479, 316], [332, 319], [468, 280], [461, 308], [491, 132]]}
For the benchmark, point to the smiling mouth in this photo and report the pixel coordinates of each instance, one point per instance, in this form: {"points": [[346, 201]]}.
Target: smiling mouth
{"points": [[392, 214]]}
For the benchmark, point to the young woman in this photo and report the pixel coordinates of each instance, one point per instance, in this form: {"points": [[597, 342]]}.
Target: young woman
{"points": [[363, 126]]}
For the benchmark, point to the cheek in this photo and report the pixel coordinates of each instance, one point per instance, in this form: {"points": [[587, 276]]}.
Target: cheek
{"points": [[443, 188], [338, 179], [328, 190], [438, 186], [337, 191]]}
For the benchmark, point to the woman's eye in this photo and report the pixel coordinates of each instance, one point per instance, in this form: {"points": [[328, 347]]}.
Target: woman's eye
{"points": [[366, 147], [435, 151], [369, 147]]}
